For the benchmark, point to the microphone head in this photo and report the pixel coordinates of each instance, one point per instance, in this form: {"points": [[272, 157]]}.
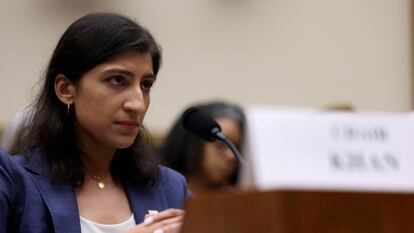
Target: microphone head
{"points": [[199, 123]]}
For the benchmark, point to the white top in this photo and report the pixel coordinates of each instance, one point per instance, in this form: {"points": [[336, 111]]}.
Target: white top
{"points": [[88, 226]]}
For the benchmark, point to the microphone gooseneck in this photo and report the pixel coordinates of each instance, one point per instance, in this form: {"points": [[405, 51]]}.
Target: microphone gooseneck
{"points": [[205, 127]]}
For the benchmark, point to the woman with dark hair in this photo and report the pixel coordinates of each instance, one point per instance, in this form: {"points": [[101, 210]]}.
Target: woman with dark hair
{"points": [[208, 166], [84, 165]]}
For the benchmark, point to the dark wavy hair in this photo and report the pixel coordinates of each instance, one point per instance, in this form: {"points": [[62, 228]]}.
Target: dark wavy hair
{"points": [[183, 151], [89, 41]]}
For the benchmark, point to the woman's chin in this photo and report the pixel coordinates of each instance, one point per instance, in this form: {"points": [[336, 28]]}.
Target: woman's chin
{"points": [[124, 144]]}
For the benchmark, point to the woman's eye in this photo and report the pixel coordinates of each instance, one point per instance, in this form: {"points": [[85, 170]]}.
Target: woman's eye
{"points": [[118, 80], [147, 85]]}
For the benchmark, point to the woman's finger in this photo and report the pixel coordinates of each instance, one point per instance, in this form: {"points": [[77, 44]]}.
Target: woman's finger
{"points": [[170, 228], [166, 214]]}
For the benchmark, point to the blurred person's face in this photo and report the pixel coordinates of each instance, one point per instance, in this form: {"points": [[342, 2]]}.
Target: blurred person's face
{"points": [[218, 163], [111, 101]]}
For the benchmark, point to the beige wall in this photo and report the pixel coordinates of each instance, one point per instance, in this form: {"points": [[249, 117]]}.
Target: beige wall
{"points": [[280, 52]]}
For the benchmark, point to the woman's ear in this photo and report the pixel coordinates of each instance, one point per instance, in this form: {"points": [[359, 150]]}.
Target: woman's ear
{"points": [[64, 89]]}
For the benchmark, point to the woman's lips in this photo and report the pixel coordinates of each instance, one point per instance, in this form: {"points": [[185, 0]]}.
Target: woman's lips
{"points": [[127, 124]]}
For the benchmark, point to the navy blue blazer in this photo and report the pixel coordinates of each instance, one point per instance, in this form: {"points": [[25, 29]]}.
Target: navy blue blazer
{"points": [[30, 201]]}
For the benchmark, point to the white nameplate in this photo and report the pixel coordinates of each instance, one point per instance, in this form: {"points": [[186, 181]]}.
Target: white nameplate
{"points": [[328, 150]]}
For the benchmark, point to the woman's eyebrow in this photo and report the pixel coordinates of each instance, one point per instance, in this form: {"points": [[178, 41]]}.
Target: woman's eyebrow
{"points": [[127, 72], [119, 71]]}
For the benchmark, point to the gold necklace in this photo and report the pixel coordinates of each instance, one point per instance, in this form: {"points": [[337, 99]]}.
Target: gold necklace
{"points": [[99, 180]]}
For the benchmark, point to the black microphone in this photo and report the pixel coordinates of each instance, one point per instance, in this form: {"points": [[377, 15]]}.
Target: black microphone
{"points": [[202, 125]]}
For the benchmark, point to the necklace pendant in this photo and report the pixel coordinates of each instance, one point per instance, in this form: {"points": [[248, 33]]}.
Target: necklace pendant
{"points": [[101, 184]]}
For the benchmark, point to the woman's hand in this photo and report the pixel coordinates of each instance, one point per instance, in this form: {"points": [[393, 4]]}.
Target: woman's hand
{"points": [[167, 221]]}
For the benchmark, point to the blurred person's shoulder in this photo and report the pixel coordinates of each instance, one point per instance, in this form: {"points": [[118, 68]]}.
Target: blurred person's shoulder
{"points": [[14, 127]]}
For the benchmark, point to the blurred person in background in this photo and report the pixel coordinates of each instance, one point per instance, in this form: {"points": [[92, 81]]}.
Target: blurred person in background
{"points": [[208, 166], [10, 139]]}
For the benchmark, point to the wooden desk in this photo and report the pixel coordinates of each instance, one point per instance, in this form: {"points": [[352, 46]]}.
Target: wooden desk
{"points": [[301, 212]]}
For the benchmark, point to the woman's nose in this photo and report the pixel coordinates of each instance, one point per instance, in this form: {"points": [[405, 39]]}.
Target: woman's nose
{"points": [[135, 101]]}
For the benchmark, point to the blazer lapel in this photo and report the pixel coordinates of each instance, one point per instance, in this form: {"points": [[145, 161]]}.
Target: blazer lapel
{"points": [[143, 198], [59, 197]]}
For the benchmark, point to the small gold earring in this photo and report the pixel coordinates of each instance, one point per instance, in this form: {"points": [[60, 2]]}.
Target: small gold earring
{"points": [[68, 110]]}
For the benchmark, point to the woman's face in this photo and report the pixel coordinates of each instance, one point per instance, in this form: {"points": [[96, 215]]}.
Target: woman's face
{"points": [[218, 163], [111, 100]]}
